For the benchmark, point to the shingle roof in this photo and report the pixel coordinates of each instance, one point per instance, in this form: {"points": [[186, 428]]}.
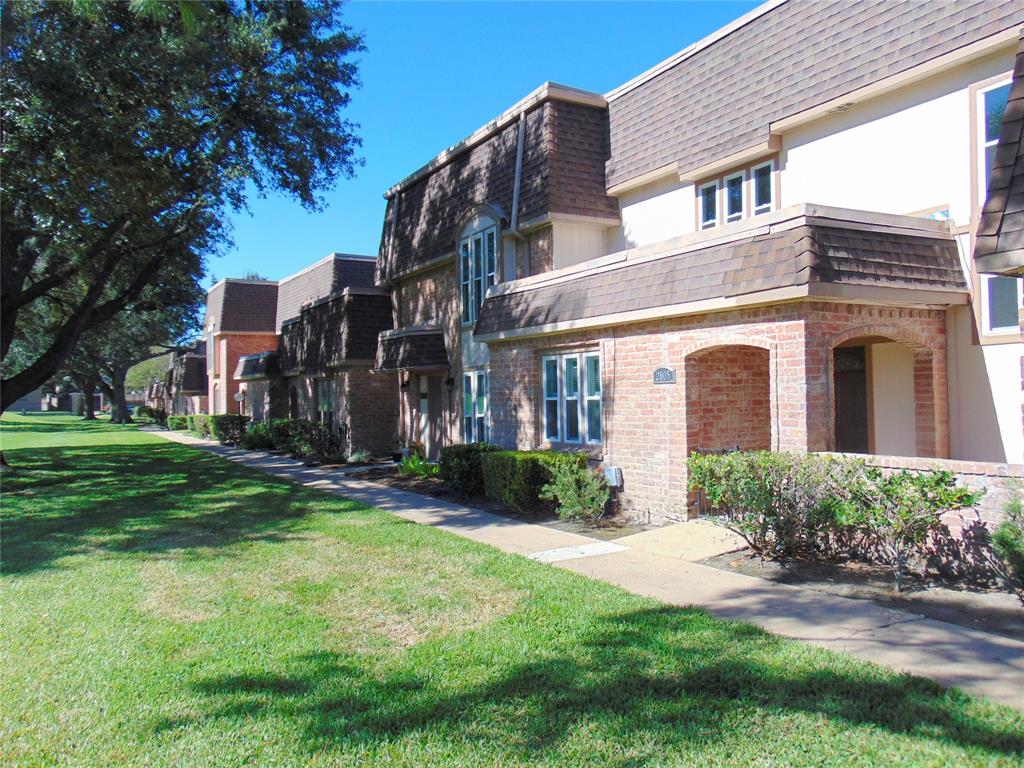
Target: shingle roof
{"points": [[723, 98], [328, 276], [564, 151], [808, 253], [412, 349], [242, 306], [255, 367], [1000, 241]]}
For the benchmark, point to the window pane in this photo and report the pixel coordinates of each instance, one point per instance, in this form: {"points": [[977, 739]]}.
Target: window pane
{"points": [[593, 375], [551, 377], [734, 196], [995, 107], [465, 303], [572, 377], [572, 419], [551, 418], [481, 435], [594, 420], [1002, 302], [763, 186], [491, 263], [467, 268], [467, 429], [467, 395], [708, 213], [481, 394]]}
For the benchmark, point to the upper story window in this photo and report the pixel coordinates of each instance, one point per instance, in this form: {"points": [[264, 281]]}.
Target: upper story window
{"points": [[1001, 297], [736, 195], [478, 269], [211, 353]]}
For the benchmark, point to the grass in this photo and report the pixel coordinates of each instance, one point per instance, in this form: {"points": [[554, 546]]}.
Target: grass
{"points": [[162, 606]]}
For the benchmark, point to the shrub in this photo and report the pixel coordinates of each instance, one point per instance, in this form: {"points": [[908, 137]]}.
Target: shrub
{"points": [[305, 438], [461, 468], [517, 477], [416, 465], [177, 422], [257, 437], [199, 424], [281, 434], [360, 456], [139, 411], [899, 511], [580, 492], [784, 505], [228, 428], [1008, 543]]}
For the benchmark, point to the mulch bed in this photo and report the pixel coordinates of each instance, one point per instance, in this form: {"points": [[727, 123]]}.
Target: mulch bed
{"points": [[988, 609]]}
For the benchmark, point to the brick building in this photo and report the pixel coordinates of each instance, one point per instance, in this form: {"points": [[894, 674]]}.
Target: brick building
{"points": [[763, 242]]}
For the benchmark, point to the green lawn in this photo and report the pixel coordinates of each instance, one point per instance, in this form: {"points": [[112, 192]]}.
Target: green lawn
{"points": [[161, 606]]}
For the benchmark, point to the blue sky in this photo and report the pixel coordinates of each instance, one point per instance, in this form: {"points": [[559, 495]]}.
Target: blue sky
{"points": [[433, 73]]}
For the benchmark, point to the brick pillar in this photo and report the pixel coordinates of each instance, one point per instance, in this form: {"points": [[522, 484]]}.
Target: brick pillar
{"points": [[931, 405]]}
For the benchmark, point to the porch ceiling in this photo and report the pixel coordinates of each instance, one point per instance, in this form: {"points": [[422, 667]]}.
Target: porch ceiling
{"points": [[803, 253]]}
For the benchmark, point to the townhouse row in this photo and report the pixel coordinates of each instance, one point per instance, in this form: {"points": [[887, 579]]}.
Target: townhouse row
{"points": [[803, 232]]}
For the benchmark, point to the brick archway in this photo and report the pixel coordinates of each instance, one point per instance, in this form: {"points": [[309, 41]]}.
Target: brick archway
{"points": [[730, 393], [929, 384]]}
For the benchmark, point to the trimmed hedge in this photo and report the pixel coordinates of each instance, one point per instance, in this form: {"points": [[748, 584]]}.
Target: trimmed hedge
{"points": [[228, 428], [177, 422], [199, 424], [517, 478], [257, 437], [461, 467]]}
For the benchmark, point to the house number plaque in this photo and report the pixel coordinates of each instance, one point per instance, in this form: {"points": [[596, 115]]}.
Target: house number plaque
{"points": [[664, 376]]}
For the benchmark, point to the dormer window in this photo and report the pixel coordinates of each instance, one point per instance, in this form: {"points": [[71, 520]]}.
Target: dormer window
{"points": [[478, 269], [734, 196], [709, 205]]}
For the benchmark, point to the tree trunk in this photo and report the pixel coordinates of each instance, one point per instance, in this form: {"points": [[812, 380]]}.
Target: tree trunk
{"points": [[87, 385], [119, 413]]}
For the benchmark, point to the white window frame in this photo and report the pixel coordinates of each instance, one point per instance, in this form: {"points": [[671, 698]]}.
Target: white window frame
{"points": [[985, 300], [477, 431], [731, 217], [583, 397], [474, 282], [983, 144], [755, 209], [707, 223]]}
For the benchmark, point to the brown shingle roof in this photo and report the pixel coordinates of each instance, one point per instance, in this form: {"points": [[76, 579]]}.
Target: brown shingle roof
{"points": [[242, 306], [999, 246], [255, 367], [411, 349], [328, 276], [723, 98], [808, 253], [564, 152]]}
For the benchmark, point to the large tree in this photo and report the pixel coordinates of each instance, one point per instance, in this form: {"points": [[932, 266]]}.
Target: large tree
{"points": [[130, 129]]}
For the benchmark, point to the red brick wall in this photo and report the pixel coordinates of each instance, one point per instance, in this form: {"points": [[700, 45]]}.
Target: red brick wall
{"points": [[728, 399], [370, 408], [646, 425], [229, 347]]}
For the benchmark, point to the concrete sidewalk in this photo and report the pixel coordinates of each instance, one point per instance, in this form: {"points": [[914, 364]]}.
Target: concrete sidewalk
{"points": [[977, 662]]}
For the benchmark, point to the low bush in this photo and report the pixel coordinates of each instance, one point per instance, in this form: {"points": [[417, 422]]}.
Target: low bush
{"points": [[281, 434], [199, 424], [581, 493], [228, 428], [139, 411], [1008, 543], [177, 422], [308, 439], [257, 437], [516, 478], [360, 456], [416, 466], [461, 468]]}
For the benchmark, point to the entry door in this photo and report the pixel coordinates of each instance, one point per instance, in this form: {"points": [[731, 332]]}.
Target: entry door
{"points": [[851, 382], [423, 427]]}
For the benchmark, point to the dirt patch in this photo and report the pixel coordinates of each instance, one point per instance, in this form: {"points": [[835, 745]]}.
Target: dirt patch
{"points": [[989, 610], [607, 529]]}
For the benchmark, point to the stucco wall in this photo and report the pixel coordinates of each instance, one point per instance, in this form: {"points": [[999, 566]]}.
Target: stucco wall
{"points": [[892, 398]]}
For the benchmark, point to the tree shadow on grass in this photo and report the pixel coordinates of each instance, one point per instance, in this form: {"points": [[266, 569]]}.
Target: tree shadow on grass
{"points": [[662, 678], [138, 498]]}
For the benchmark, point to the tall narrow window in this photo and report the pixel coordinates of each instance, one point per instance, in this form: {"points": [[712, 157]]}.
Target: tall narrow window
{"points": [[709, 205], [572, 398], [552, 392], [592, 366], [762, 188], [478, 262], [734, 197], [993, 107], [474, 407]]}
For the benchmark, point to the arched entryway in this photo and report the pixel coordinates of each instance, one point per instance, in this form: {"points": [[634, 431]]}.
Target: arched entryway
{"points": [[886, 391], [728, 399]]}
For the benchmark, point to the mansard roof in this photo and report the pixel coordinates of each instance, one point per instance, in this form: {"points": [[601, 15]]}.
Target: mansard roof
{"points": [[242, 306], [328, 276], [814, 250], [721, 95]]}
